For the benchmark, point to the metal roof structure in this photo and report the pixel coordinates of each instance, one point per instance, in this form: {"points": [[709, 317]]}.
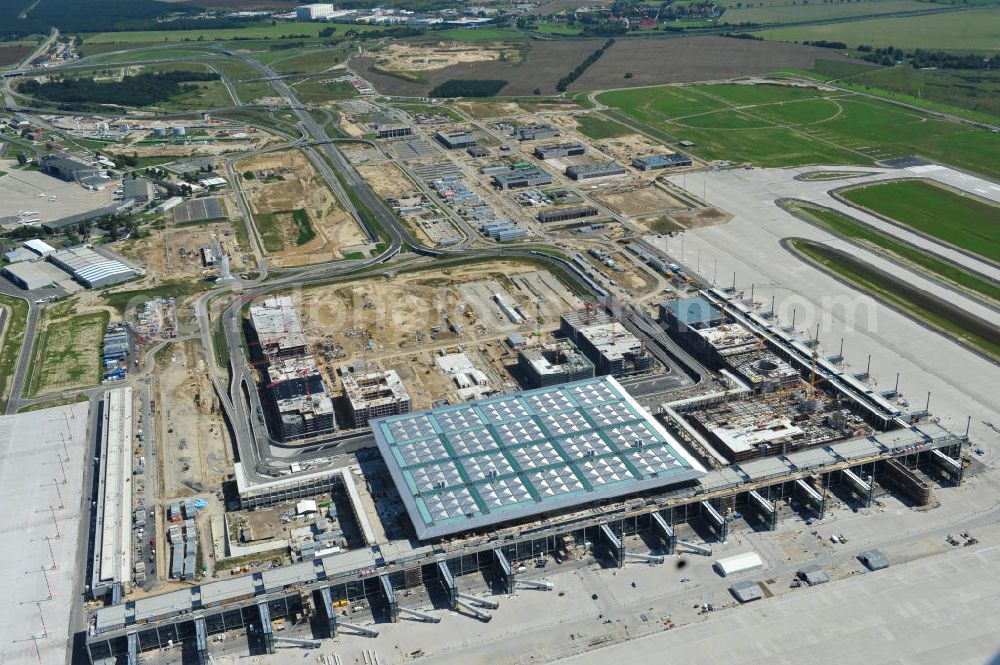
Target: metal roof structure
{"points": [[499, 459], [746, 592], [693, 311], [90, 268]]}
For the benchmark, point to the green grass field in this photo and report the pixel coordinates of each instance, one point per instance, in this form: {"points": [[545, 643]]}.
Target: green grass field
{"points": [[284, 30], [310, 61], [270, 232], [786, 11], [973, 30], [312, 89], [846, 227], [557, 29], [900, 296], [969, 93], [963, 221], [770, 125], [15, 321], [479, 34], [67, 353], [596, 127], [159, 53]]}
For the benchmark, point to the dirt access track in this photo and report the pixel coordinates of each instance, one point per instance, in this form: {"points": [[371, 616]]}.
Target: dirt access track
{"points": [[638, 198], [425, 57], [282, 183]]}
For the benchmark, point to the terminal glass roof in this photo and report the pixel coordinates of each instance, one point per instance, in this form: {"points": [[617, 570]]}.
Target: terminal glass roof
{"points": [[480, 463]]}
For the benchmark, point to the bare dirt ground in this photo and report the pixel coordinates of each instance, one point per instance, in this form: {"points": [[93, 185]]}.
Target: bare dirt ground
{"points": [[626, 148], [285, 181], [489, 109], [176, 252], [386, 179], [543, 64], [701, 217], [391, 322], [634, 200], [195, 452], [425, 57], [651, 62]]}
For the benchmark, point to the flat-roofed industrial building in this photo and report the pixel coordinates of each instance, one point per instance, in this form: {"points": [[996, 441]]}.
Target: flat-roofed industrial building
{"points": [[564, 214], [301, 400], [591, 171], [609, 345], [455, 140], [654, 162], [554, 150], [112, 552], [521, 178]]}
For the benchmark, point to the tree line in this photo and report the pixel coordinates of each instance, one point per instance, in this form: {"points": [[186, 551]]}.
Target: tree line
{"points": [[921, 58], [567, 80], [140, 90]]}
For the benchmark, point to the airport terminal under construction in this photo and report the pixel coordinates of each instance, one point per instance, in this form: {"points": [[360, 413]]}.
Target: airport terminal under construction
{"points": [[571, 470]]}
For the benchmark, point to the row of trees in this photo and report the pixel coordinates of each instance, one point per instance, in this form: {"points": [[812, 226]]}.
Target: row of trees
{"points": [[921, 58], [140, 90], [567, 80], [468, 88]]}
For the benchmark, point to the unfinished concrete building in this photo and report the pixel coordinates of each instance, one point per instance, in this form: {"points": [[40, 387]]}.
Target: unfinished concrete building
{"points": [[300, 398], [609, 345], [277, 326], [551, 364], [375, 395]]}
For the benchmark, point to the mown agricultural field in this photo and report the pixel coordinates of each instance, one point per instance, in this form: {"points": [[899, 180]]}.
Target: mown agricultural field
{"points": [[963, 221], [773, 125], [785, 11], [973, 30]]}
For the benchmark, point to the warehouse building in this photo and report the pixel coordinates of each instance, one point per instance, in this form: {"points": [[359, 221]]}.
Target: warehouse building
{"points": [[477, 151], [502, 230], [31, 275], [57, 225], [563, 214], [301, 401], [553, 150], [277, 326], [314, 12], [531, 177], [39, 247], [139, 190], [391, 129], [91, 269], [590, 171], [552, 364], [654, 162], [68, 169], [535, 132], [455, 140], [375, 395], [112, 563], [610, 346]]}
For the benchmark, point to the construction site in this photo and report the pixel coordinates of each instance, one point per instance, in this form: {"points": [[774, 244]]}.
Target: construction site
{"points": [[298, 218]]}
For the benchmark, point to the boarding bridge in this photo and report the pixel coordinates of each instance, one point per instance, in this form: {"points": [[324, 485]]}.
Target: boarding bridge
{"points": [[861, 488], [295, 641], [133, 649], [695, 548], [448, 580], [429, 618], [390, 598], [668, 532], [506, 572], [537, 584], [767, 509], [951, 466], [326, 600], [648, 558], [615, 543], [266, 629], [713, 516], [201, 640], [812, 496], [485, 617]]}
